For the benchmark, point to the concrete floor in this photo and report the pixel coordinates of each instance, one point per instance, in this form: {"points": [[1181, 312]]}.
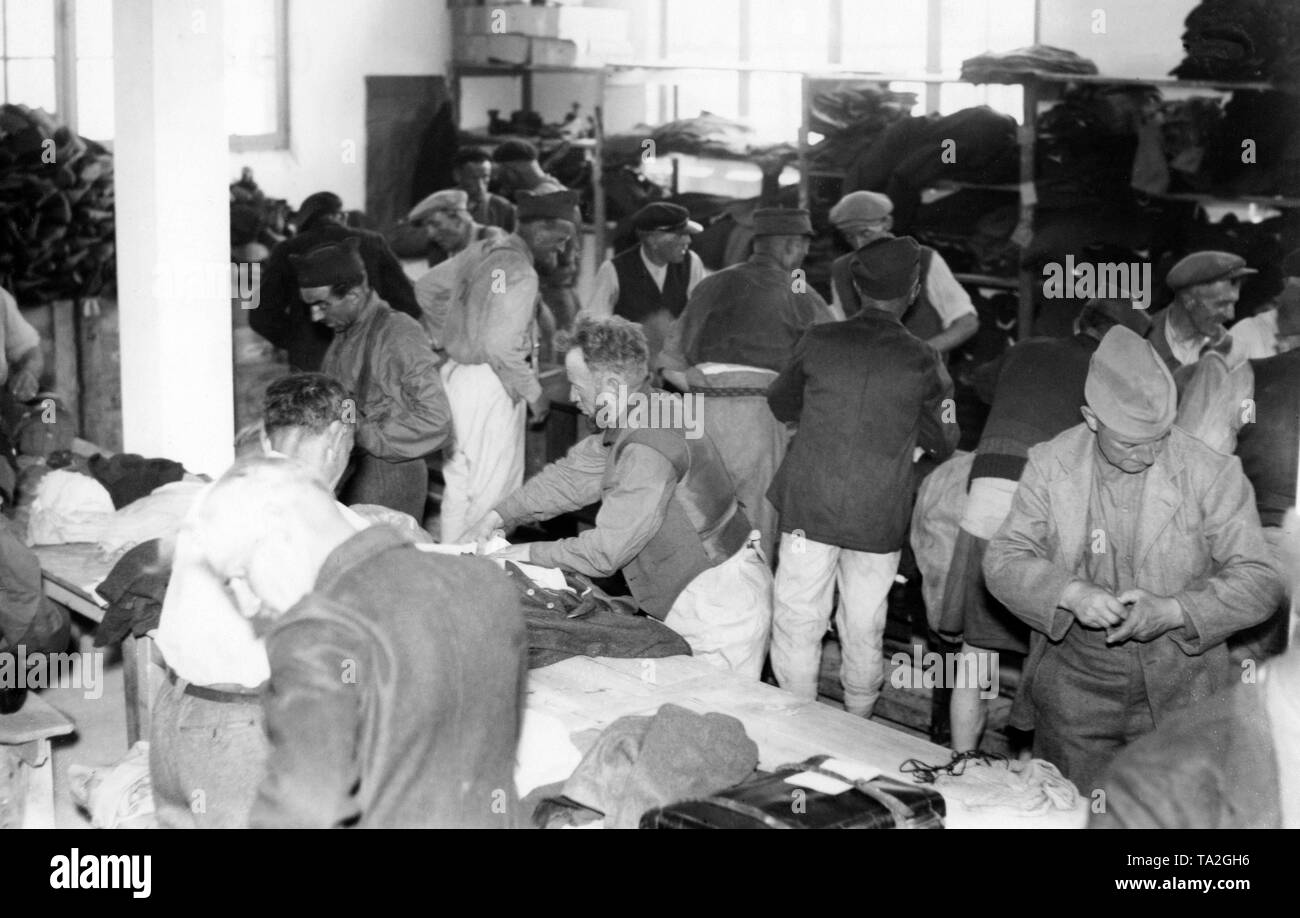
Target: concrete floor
{"points": [[100, 737]]}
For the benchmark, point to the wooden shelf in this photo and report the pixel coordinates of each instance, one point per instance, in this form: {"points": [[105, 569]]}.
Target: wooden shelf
{"points": [[988, 280]]}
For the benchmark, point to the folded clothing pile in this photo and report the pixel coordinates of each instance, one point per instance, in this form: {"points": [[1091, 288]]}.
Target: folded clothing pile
{"points": [[851, 117], [1010, 66]]}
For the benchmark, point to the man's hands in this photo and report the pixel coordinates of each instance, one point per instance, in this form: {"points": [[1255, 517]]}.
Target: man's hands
{"points": [[1149, 616], [23, 384], [539, 409], [483, 529], [514, 553], [1135, 614], [1092, 606]]}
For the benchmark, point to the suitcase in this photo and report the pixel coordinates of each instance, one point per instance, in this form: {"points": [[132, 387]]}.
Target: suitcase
{"points": [[770, 801]]}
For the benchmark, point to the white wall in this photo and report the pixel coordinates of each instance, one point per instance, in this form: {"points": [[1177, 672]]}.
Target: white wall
{"points": [[333, 46], [1142, 37]]}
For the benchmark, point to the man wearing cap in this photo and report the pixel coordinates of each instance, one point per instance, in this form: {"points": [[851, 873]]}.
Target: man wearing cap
{"points": [[445, 218], [519, 171], [1206, 288], [1035, 390], [490, 336], [865, 393], [943, 315], [383, 357], [738, 331], [283, 319], [1276, 329], [1133, 550], [473, 172], [650, 284]]}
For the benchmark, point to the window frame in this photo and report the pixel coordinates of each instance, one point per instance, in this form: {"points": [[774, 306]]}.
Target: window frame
{"points": [[279, 138]]}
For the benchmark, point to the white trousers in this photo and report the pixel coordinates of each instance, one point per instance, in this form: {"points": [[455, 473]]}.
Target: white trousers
{"points": [[488, 461], [805, 581], [725, 613]]}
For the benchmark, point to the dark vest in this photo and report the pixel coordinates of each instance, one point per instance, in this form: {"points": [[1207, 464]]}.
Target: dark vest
{"points": [[639, 300], [1267, 447], [704, 524], [921, 318]]}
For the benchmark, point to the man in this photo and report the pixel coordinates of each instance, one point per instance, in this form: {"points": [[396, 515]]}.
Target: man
{"points": [[651, 283], [738, 331], [490, 336], [21, 361], [1035, 391], [864, 394], [473, 172], [1277, 328], [668, 515], [943, 315], [281, 317], [448, 225], [1133, 550], [397, 676], [518, 171], [207, 746], [446, 220], [384, 358], [1206, 288], [520, 175]]}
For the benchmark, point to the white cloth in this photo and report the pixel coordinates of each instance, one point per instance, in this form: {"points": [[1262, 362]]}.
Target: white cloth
{"points": [[157, 515], [936, 518], [69, 507], [488, 462], [988, 504], [805, 582], [1256, 336], [204, 632], [604, 292], [725, 613]]}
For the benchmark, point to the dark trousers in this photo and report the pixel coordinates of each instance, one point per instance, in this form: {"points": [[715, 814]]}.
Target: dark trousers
{"points": [[402, 486]]}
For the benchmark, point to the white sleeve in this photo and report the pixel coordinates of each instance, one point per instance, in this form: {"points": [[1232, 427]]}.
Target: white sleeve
{"points": [[697, 272], [949, 298], [605, 292]]}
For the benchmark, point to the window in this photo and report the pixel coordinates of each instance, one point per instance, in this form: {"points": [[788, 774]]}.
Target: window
{"points": [[257, 74], [902, 37], [27, 37]]}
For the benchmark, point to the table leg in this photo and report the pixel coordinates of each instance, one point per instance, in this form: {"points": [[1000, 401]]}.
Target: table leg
{"points": [[136, 656]]}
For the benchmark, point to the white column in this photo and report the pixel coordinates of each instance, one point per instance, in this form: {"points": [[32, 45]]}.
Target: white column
{"points": [[173, 231]]}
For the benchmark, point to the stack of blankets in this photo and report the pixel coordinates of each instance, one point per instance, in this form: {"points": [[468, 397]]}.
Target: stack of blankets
{"points": [[1243, 40], [1011, 66]]}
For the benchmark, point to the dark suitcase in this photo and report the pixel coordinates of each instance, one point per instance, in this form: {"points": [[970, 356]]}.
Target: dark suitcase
{"points": [[769, 801]]}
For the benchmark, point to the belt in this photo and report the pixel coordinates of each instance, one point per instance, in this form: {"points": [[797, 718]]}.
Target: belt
{"points": [[733, 391], [221, 696]]}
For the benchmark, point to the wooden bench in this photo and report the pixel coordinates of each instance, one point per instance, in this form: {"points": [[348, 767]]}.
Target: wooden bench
{"points": [[25, 740]]}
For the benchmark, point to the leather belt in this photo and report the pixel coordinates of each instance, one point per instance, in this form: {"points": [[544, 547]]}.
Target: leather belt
{"points": [[207, 693]]}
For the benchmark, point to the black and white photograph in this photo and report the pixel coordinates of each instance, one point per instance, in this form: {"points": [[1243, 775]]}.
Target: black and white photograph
{"points": [[651, 414]]}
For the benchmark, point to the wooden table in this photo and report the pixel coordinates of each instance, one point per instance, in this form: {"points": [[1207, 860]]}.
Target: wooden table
{"points": [[70, 574], [28, 732], [586, 693]]}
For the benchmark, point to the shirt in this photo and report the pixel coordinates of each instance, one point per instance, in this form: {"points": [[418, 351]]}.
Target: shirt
{"points": [[1185, 350], [402, 409], [494, 210], [17, 336], [605, 293], [749, 314], [629, 515], [1113, 508], [1256, 336], [491, 314]]}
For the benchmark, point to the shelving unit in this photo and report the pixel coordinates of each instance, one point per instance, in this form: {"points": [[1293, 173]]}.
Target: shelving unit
{"points": [[1032, 83]]}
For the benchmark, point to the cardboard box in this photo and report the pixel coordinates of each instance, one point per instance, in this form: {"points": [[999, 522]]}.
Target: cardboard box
{"points": [[514, 49]]}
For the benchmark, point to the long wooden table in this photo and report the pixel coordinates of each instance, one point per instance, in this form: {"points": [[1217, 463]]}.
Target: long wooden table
{"points": [[70, 574], [588, 694]]}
